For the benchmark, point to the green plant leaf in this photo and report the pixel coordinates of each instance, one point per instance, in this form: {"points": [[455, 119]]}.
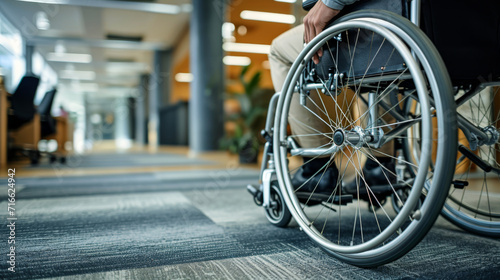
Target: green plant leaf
{"points": [[245, 103], [252, 86], [249, 120], [244, 70], [253, 115], [238, 131]]}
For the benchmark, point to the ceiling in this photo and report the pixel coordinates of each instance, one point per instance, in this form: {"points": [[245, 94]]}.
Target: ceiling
{"points": [[119, 35]]}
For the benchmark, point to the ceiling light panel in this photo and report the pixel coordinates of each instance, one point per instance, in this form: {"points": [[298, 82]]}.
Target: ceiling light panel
{"points": [[125, 5], [126, 67], [184, 77], [247, 48], [269, 17], [77, 75], [42, 21], [236, 60], [69, 57]]}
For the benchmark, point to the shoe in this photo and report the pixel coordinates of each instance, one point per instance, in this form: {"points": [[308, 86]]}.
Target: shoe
{"points": [[324, 182], [379, 175]]}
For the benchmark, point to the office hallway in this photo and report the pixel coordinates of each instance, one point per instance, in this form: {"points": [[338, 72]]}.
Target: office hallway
{"points": [[190, 219]]}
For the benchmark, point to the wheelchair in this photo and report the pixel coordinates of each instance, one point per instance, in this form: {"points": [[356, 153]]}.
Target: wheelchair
{"points": [[381, 83]]}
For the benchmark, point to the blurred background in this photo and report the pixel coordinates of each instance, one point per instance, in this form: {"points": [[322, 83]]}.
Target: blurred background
{"points": [[129, 130], [136, 74]]}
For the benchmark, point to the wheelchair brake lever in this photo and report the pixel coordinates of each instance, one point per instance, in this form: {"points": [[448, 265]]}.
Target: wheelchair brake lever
{"points": [[332, 85], [267, 136]]}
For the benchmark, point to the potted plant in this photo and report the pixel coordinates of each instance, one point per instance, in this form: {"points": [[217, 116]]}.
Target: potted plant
{"points": [[248, 119]]}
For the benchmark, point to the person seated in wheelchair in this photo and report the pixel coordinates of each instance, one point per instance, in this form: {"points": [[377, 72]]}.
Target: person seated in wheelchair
{"points": [[378, 169]]}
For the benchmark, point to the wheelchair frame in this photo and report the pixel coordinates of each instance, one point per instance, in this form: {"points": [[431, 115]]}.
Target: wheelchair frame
{"points": [[475, 135]]}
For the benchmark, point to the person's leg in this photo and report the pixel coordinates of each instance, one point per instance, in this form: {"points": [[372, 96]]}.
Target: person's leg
{"points": [[284, 50], [303, 121]]}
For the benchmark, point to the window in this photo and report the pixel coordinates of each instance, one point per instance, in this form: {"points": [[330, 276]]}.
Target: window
{"points": [[12, 62]]}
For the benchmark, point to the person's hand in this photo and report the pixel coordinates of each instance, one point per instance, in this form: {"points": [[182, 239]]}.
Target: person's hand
{"points": [[315, 21]]}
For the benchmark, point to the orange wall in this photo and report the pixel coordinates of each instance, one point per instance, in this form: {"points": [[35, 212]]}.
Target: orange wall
{"points": [[180, 91], [258, 32]]}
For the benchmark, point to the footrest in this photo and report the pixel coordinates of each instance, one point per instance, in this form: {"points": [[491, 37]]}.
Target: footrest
{"points": [[459, 184], [377, 189], [318, 198], [256, 193], [484, 165]]}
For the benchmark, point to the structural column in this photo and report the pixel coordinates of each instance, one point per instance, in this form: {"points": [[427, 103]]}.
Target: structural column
{"points": [[140, 110], [207, 87], [159, 95], [28, 55], [154, 98], [122, 119]]}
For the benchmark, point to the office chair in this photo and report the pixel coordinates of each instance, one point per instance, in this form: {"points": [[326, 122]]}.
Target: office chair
{"points": [[22, 109], [48, 123]]}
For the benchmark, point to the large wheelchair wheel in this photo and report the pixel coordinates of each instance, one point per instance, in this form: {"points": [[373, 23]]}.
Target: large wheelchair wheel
{"points": [[359, 91], [474, 199]]}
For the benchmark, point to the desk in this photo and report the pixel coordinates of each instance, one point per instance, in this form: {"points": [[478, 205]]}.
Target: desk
{"points": [[64, 134], [4, 107], [27, 136]]}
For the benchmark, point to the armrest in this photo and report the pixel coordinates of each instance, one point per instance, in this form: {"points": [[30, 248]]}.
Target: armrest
{"points": [[308, 4]]}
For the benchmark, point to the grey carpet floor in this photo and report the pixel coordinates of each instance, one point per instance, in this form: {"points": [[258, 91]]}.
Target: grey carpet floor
{"points": [[175, 225], [121, 160]]}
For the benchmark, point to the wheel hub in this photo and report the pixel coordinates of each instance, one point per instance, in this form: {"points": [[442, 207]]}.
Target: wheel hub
{"points": [[493, 135], [356, 137], [338, 137]]}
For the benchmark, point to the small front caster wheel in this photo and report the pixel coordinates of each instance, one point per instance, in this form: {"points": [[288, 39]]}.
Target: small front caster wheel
{"points": [[277, 213]]}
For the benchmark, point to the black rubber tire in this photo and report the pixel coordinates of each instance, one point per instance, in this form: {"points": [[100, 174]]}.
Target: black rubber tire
{"points": [[282, 216], [470, 227], [463, 207]]}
